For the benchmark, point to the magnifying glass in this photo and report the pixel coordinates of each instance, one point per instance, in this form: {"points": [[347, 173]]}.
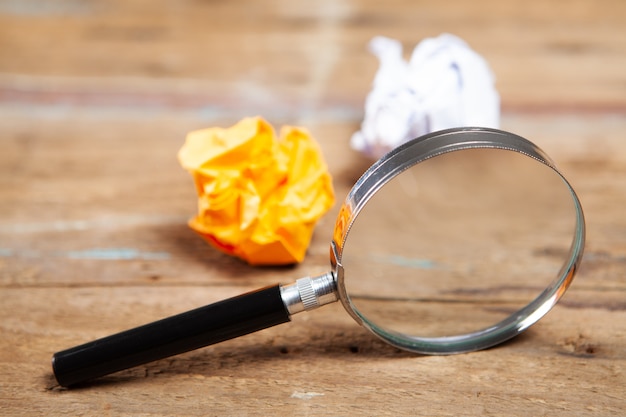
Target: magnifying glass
{"points": [[453, 242]]}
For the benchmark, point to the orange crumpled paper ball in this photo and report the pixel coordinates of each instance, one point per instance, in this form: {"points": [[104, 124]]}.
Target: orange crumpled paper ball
{"points": [[258, 197]]}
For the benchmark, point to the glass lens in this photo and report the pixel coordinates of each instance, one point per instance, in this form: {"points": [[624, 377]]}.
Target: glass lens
{"points": [[458, 243]]}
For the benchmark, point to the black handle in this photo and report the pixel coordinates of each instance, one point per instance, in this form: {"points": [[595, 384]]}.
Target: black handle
{"points": [[203, 326]]}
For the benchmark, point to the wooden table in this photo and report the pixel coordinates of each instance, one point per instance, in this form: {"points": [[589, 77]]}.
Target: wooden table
{"points": [[95, 101]]}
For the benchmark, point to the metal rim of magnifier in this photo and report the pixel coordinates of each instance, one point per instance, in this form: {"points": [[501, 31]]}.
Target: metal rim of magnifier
{"points": [[420, 150]]}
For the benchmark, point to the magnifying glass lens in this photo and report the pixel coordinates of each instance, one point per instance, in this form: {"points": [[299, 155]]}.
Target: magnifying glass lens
{"points": [[457, 243]]}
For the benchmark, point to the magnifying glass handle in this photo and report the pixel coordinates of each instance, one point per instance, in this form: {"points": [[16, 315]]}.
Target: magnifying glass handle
{"points": [[187, 331]]}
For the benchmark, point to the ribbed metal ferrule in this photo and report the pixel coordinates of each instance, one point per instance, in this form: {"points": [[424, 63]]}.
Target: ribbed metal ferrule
{"points": [[309, 293]]}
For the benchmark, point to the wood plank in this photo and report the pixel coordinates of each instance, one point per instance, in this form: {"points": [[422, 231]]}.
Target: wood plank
{"points": [[321, 363], [245, 56]]}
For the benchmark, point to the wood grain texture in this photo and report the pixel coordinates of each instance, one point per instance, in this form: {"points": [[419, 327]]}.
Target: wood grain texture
{"points": [[95, 100]]}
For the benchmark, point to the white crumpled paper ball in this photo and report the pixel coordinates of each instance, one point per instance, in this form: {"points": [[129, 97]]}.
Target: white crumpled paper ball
{"points": [[445, 84]]}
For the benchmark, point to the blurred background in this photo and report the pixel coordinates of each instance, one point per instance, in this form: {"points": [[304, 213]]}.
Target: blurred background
{"points": [[296, 60]]}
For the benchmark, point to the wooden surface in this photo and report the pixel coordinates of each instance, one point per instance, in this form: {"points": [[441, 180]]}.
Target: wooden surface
{"points": [[95, 100]]}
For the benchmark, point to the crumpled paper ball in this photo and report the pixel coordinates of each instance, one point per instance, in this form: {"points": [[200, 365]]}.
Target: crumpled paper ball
{"points": [[259, 198], [445, 84]]}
